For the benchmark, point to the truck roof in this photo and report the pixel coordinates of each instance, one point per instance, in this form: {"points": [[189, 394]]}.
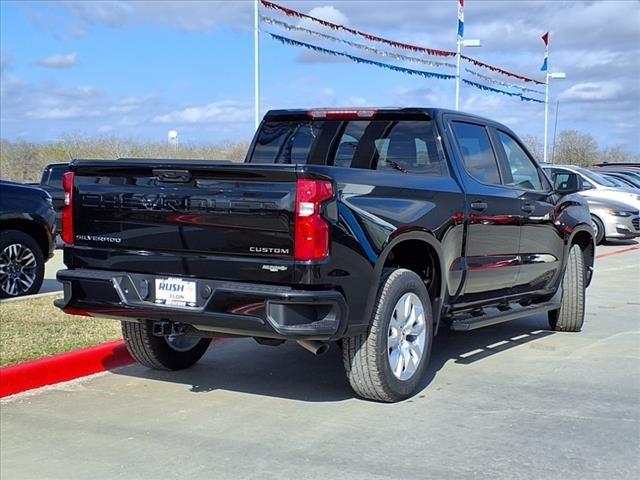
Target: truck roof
{"points": [[371, 112]]}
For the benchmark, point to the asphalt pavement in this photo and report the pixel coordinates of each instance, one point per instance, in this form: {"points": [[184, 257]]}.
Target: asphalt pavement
{"points": [[512, 401]]}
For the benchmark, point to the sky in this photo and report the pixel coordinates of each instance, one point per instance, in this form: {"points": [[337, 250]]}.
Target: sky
{"points": [[139, 69]]}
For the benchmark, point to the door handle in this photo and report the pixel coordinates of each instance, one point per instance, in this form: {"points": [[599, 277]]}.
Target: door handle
{"points": [[479, 206], [528, 208]]}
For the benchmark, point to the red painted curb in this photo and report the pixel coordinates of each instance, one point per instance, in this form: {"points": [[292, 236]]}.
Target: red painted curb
{"points": [[616, 252], [63, 367]]}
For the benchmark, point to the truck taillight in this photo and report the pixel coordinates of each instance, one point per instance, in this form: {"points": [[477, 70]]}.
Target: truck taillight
{"points": [[67, 210], [342, 113], [311, 241]]}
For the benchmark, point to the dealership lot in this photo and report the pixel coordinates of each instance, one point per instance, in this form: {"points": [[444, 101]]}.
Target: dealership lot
{"points": [[509, 401]]}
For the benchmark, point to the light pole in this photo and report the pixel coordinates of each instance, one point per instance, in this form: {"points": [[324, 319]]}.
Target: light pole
{"points": [[549, 76], [459, 44], [256, 62]]}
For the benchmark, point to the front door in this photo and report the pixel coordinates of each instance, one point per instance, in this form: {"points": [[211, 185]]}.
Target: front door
{"points": [[493, 218], [541, 243]]}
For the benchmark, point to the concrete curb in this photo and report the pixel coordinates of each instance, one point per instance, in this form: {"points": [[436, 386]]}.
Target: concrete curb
{"points": [[63, 367], [32, 297]]}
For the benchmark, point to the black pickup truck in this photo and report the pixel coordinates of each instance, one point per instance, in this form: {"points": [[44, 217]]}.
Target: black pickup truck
{"points": [[371, 228]]}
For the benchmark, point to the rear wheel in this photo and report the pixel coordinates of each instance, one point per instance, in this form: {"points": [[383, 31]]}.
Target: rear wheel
{"points": [[21, 264], [387, 363], [168, 352], [598, 229], [570, 316]]}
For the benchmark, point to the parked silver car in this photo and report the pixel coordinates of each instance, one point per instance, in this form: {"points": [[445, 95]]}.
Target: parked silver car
{"points": [[615, 211], [614, 220]]}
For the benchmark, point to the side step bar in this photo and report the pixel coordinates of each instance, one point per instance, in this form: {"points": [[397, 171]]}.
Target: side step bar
{"points": [[486, 319]]}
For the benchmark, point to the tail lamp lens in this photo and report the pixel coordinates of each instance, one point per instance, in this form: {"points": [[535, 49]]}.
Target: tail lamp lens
{"points": [[67, 210], [311, 240]]}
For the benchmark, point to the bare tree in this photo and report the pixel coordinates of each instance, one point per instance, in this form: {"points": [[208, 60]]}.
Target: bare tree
{"points": [[575, 148], [534, 145], [616, 154]]}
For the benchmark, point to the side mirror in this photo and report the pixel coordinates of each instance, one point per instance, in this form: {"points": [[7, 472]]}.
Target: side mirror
{"points": [[566, 183]]}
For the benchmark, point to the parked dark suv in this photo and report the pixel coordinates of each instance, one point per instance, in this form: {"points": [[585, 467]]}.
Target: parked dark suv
{"points": [[27, 230]]}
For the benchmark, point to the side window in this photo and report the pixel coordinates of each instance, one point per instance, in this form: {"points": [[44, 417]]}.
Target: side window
{"points": [[285, 142], [559, 176], [477, 153], [524, 173], [409, 147]]}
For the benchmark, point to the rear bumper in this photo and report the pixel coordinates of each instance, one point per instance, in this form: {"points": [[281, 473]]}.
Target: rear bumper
{"points": [[234, 308]]}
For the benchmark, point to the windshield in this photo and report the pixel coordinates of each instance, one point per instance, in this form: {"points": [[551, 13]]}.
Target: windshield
{"points": [[597, 178]]}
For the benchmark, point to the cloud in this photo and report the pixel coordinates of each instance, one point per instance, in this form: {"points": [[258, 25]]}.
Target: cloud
{"points": [[328, 13], [223, 111], [591, 92], [7, 62], [58, 61], [186, 15], [67, 113]]}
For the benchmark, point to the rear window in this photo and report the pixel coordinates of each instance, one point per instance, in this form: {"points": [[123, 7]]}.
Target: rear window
{"points": [[401, 146], [55, 179]]}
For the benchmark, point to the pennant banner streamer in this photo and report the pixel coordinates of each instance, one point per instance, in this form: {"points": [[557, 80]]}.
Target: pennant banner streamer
{"points": [[373, 38], [422, 73], [504, 92], [500, 70], [545, 64], [500, 82], [382, 53], [460, 19], [405, 46]]}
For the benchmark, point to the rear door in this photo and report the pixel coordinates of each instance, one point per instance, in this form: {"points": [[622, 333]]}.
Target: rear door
{"points": [[493, 216]]}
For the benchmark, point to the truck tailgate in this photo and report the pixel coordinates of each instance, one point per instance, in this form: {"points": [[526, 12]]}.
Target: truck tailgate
{"points": [[188, 208]]}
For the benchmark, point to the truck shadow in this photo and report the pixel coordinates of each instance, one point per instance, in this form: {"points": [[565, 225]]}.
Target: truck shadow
{"points": [[293, 373]]}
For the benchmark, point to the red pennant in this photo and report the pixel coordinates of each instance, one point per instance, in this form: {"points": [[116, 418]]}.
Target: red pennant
{"points": [[545, 39]]}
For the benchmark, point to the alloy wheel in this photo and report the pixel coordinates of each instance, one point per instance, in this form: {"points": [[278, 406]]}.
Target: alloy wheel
{"points": [[18, 267], [407, 336]]}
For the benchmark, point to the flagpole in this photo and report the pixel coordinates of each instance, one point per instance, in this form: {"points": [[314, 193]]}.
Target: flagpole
{"points": [[546, 114], [459, 36], [555, 131], [458, 75], [256, 62], [545, 39]]}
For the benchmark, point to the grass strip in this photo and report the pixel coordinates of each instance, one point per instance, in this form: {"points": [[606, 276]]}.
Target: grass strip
{"points": [[31, 329]]}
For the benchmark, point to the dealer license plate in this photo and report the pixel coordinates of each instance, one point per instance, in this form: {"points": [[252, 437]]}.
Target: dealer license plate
{"points": [[175, 291]]}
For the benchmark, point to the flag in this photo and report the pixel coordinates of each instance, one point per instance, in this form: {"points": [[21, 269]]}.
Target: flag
{"points": [[460, 19], [545, 39]]}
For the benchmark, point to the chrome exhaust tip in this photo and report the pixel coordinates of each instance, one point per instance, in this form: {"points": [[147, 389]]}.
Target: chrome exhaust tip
{"points": [[314, 346]]}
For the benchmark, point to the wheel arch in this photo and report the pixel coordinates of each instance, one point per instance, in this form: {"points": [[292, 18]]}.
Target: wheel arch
{"points": [[583, 237], [31, 228], [400, 252]]}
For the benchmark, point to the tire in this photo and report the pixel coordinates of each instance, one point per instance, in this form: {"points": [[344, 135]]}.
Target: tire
{"points": [[21, 264], [157, 352], [368, 358], [570, 316], [598, 226]]}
